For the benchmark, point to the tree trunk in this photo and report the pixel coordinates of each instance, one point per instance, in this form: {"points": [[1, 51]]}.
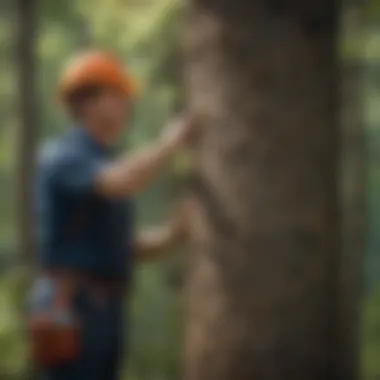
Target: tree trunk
{"points": [[263, 281], [353, 200], [25, 150], [26, 136]]}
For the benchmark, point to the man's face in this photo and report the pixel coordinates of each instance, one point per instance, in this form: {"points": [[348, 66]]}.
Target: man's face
{"points": [[110, 111]]}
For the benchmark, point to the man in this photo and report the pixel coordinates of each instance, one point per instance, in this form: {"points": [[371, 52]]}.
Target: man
{"points": [[84, 214]]}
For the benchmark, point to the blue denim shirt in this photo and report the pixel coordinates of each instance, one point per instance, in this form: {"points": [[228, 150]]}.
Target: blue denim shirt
{"points": [[75, 227]]}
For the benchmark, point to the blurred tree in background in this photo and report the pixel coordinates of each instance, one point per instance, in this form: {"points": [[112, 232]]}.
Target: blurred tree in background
{"points": [[147, 36]]}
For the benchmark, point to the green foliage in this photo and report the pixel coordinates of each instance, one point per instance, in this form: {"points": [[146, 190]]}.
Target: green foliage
{"points": [[146, 35], [371, 12], [371, 336], [143, 33]]}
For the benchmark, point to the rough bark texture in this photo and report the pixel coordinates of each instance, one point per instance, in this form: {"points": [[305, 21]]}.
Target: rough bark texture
{"points": [[263, 281]]}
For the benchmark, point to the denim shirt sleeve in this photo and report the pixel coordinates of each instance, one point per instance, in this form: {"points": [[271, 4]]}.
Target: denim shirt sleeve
{"points": [[75, 173]]}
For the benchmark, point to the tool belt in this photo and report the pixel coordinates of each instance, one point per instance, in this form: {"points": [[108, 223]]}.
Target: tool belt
{"points": [[54, 331], [74, 280]]}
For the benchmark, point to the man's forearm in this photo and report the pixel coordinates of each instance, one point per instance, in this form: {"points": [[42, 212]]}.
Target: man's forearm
{"points": [[132, 173]]}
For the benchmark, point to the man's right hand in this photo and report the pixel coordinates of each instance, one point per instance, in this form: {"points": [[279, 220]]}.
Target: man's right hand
{"points": [[179, 131]]}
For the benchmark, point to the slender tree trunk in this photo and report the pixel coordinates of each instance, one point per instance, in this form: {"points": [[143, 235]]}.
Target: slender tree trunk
{"points": [[26, 136], [25, 150], [263, 281], [26, 11], [83, 33], [353, 199]]}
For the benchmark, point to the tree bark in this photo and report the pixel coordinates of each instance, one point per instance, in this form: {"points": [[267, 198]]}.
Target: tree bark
{"points": [[25, 57], [27, 127], [264, 272]]}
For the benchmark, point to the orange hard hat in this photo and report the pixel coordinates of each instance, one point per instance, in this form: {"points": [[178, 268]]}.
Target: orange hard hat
{"points": [[95, 68]]}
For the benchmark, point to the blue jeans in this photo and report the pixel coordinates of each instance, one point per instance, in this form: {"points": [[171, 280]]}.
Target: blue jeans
{"points": [[102, 335]]}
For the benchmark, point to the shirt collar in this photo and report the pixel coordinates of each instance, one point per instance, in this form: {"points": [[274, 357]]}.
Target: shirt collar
{"points": [[86, 137]]}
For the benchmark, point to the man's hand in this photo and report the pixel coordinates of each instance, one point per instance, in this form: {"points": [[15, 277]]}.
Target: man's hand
{"points": [[152, 244], [180, 131]]}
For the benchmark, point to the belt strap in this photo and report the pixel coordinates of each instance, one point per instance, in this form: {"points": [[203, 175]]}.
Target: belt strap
{"points": [[69, 280]]}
